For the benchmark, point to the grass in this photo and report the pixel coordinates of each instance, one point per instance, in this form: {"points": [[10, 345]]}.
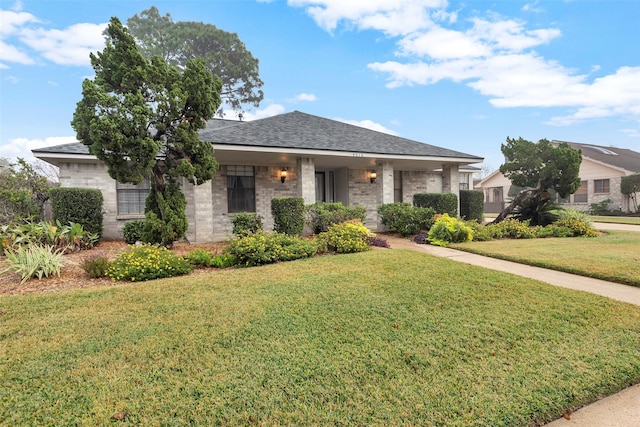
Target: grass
{"points": [[614, 256], [633, 220], [377, 338]]}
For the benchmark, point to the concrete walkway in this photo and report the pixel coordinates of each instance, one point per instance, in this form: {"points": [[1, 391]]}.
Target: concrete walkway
{"points": [[619, 410]]}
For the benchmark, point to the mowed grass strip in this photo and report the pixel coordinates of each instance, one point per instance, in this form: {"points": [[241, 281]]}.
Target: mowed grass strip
{"points": [[632, 220], [387, 337], [613, 256]]}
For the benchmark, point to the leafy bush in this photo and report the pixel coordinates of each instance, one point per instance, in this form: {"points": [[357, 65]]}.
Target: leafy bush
{"points": [[537, 211], [378, 242], [68, 238], [421, 238], [447, 230], [513, 229], [406, 219], [96, 266], [321, 215], [345, 237], [78, 205], [30, 261], [223, 261], [600, 208], [472, 205], [199, 258], [132, 231], [245, 223], [577, 227], [165, 217], [23, 192], [441, 203], [266, 248], [147, 262], [573, 213], [288, 215]]}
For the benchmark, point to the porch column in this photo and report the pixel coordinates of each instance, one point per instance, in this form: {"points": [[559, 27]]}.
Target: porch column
{"points": [[384, 172], [306, 179], [451, 180], [203, 215]]}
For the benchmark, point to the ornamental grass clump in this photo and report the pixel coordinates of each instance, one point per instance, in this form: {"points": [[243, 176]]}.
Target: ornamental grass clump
{"points": [[147, 262], [447, 230], [96, 266], [346, 237], [30, 261]]}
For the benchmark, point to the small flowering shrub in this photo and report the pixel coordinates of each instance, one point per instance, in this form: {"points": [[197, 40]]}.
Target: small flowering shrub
{"points": [[224, 261], [345, 237], [266, 248], [147, 262], [199, 258], [577, 226], [447, 230], [512, 229], [96, 266]]}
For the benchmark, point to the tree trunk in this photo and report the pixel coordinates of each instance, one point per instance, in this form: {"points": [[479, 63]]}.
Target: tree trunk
{"points": [[526, 194]]}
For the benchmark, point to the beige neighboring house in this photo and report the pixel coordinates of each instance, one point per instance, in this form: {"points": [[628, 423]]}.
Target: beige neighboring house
{"points": [[601, 172], [293, 155]]}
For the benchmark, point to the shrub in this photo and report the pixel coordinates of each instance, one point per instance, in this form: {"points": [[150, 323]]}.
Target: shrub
{"points": [[577, 227], [422, 238], [79, 205], [406, 219], [147, 262], [245, 223], [23, 192], [224, 261], [165, 215], [537, 211], [96, 266], [573, 213], [199, 258], [345, 237], [630, 186], [378, 242], [472, 205], [447, 230], [288, 215], [441, 203], [132, 231], [266, 248], [68, 238], [513, 229], [30, 261], [321, 215], [601, 208]]}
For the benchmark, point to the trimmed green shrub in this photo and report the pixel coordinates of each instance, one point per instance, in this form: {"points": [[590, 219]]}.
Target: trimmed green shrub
{"points": [[472, 205], [224, 261], [345, 237], [513, 229], [78, 205], [288, 215], [245, 223], [321, 215], [447, 230], [266, 248], [441, 203], [132, 231], [406, 219], [147, 262], [30, 261], [96, 266], [199, 258]]}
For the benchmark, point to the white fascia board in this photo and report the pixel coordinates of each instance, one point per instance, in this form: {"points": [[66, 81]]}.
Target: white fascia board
{"points": [[354, 154], [68, 156]]}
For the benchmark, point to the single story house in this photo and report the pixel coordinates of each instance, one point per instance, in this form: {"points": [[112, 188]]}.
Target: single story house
{"points": [[293, 154], [601, 172]]}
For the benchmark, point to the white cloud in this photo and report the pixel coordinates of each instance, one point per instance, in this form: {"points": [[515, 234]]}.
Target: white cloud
{"points": [[21, 147], [631, 133], [368, 124], [270, 110], [304, 97], [533, 7], [12, 79]]}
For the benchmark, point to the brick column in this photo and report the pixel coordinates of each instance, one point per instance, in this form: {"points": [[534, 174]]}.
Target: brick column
{"points": [[384, 183], [306, 172], [451, 181], [203, 216]]}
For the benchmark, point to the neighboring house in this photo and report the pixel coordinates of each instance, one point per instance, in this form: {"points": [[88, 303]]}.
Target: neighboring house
{"points": [[601, 172], [293, 154]]}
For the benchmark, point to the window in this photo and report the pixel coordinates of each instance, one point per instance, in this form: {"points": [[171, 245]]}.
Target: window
{"points": [[580, 196], [241, 189], [464, 186], [131, 197], [397, 186], [497, 194], [463, 179], [601, 186]]}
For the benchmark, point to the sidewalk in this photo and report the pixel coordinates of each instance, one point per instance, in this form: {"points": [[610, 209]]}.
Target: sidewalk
{"points": [[619, 410]]}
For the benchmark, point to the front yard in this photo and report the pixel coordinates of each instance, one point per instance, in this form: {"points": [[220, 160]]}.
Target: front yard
{"points": [[386, 337]]}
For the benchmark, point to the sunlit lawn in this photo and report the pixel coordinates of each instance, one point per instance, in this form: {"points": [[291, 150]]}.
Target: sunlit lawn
{"points": [[388, 337], [633, 220], [614, 256]]}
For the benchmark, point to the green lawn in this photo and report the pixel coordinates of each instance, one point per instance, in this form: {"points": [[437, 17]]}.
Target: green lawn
{"points": [[633, 220], [614, 256], [387, 337]]}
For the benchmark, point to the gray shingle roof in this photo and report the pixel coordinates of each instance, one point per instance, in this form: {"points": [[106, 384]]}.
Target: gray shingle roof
{"points": [[620, 157], [297, 130]]}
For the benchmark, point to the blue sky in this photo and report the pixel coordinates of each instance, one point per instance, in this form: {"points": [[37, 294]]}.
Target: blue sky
{"points": [[457, 74]]}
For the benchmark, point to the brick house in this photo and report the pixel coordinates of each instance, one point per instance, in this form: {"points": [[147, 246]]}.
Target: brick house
{"points": [[601, 173], [292, 154]]}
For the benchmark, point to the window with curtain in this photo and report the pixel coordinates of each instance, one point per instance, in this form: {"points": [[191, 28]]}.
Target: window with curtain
{"points": [[580, 196], [241, 189], [131, 197], [601, 186]]}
